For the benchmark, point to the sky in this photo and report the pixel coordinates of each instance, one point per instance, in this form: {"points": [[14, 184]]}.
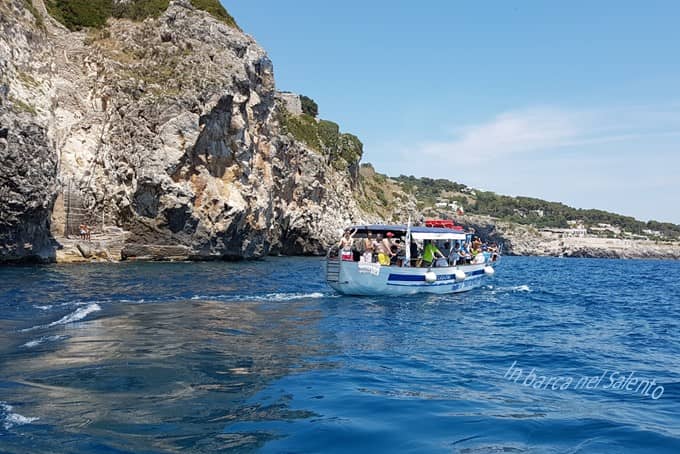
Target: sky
{"points": [[576, 102]]}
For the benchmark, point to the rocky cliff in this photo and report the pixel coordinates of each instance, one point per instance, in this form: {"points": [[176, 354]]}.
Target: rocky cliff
{"points": [[28, 161], [168, 128]]}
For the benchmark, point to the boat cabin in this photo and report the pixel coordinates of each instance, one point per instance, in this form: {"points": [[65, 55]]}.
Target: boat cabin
{"points": [[437, 244]]}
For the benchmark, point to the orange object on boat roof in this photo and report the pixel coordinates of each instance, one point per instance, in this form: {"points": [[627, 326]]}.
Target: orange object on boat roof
{"points": [[442, 223]]}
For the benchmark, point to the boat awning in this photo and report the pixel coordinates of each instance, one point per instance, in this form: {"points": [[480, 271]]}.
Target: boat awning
{"points": [[438, 235], [417, 232]]}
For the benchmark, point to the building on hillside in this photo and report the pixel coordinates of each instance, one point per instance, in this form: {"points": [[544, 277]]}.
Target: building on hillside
{"points": [[567, 233], [445, 203], [602, 227], [291, 101], [576, 223]]}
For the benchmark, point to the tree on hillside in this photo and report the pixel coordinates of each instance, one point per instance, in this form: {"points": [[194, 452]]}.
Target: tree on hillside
{"points": [[309, 106]]}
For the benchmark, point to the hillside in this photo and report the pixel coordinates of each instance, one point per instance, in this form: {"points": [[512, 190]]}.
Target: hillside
{"points": [[532, 211], [524, 226]]}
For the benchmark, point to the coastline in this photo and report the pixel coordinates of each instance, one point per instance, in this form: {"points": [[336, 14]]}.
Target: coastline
{"points": [[527, 240], [613, 249]]}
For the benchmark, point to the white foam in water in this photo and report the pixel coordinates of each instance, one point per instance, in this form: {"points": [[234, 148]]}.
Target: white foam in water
{"points": [[290, 296], [13, 419], [44, 308], [517, 288], [266, 297], [74, 316], [42, 340]]}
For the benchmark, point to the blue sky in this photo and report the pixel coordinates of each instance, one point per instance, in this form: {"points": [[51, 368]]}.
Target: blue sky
{"points": [[577, 102]]}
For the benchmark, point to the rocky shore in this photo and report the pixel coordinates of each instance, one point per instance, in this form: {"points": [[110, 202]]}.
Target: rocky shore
{"points": [[520, 239]]}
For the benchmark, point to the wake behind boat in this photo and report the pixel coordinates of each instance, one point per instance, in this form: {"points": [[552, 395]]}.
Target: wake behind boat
{"points": [[403, 260]]}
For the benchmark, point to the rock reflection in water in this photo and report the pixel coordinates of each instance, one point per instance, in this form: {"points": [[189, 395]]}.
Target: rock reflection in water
{"points": [[171, 375]]}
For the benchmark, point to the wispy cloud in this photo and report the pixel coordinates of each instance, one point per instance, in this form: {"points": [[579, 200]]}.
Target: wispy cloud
{"points": [[545, 129]]}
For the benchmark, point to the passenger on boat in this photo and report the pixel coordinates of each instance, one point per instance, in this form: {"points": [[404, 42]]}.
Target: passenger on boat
{"points": [[413, 249], [476, 243], [345, 245], [397, 253], [464, 254], [454, 255], [384, 249], [477, 254], [368, 249], [387, 241], [430, 253]]}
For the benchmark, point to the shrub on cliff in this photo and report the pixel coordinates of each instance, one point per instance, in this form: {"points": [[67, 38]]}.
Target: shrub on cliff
{"points": [[140, 9], [78, 14], [350, 148], [323, 136], [215, 8], [303, 128], [309, 106]]}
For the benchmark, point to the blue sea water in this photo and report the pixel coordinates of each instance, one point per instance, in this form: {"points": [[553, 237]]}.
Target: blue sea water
{"points": [[211, 357]]}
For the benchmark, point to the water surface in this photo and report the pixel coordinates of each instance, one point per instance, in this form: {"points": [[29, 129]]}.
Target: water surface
{"points": [[205, 357]]}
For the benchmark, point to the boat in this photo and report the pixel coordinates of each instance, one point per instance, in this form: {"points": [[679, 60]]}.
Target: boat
{"points": [[352, 273]]}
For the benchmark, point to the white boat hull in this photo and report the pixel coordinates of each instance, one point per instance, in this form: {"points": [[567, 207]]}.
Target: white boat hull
{"points": [[355, 278]]}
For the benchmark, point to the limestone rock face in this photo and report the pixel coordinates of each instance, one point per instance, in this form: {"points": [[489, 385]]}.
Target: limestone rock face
{"points": [[167, 128], [27, 197], [28, 162]]}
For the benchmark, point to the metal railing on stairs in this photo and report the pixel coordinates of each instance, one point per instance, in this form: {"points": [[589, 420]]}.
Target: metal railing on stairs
{"points": [[79, 209]]}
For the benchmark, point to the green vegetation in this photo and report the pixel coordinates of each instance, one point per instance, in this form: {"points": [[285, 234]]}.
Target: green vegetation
{"points": [[78, 14], [309, 106], [525, 210], [323, 136], [140, 9], [215, 8], [21, 106], [350, 147], [26, 79], [379, 195], [427, 190]]}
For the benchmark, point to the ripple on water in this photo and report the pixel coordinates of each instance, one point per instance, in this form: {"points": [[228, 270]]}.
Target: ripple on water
{"points": [[262, 355]]}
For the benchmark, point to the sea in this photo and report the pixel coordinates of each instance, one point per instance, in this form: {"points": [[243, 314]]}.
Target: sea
{"points": [[551, 355]]}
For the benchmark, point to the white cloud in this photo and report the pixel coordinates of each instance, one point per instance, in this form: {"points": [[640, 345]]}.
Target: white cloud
{"points": [[545, 129], [511, 132]]}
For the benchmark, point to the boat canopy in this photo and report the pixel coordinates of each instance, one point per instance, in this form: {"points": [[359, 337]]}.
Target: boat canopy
{"points": [[417, 232]]}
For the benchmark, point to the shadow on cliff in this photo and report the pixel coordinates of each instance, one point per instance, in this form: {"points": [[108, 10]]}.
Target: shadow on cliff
{"points": [[28, 175]]}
